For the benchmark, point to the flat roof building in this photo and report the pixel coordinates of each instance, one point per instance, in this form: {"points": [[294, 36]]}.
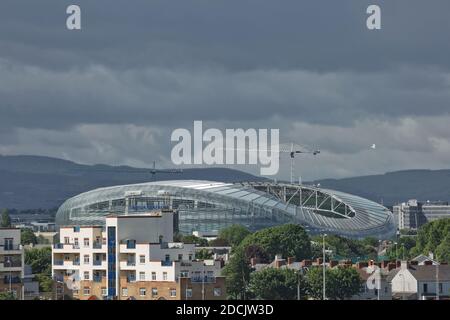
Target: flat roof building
{"points": [[133, 257]]}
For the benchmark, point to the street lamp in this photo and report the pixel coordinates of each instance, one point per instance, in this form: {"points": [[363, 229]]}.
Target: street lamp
{"points": [[323, 264]]}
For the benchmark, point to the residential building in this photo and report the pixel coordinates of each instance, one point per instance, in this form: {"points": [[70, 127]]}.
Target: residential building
{"points": [[133, 257], [413, 214], [11, 262], [419, 282]]}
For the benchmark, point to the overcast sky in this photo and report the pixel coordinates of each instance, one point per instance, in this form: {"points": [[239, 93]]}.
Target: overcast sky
{"points": [[114, 91]]}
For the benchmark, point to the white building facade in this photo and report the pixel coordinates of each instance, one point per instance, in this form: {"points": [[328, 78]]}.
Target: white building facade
{"points": [[133, 257]]}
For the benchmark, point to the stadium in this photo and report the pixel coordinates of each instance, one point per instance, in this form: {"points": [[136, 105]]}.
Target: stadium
{"points": [[207, 206]]}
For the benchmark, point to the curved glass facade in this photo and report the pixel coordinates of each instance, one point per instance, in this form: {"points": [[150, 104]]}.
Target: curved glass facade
{"points": [[207, 205]]}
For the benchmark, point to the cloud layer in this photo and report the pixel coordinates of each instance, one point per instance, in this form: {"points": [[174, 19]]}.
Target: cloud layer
{"points": [[114, 92]]}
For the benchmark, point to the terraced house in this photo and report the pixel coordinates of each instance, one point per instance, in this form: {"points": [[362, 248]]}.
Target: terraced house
{"points": [[133, 257]]}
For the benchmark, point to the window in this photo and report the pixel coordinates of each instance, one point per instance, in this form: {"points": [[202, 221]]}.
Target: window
{"points": [[189, 293], [104, 292], [425, 287], [75, 292], [75, 242], [86, 291], [86, 242], [190, 257], [173, 293], [164, 276], [141, 259], [217, 292], [86, 259], [142, 276], [142, 292], [66, 257], [86, 275], [184, 274], [125, 292], [154, 276], [76, 229], [385, 289], [66, 240], [154, 292], [167, 258], [180, 257], [440, 287]]}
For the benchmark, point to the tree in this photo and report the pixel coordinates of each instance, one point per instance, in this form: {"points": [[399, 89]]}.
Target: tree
{"points": [[234, 234], [341, 283], [45, 282], [289, 240], [203, 254], [237, 273], [40, 260], [7, 296], [433, 237], [276, 284], [191, 239], [6, 219], [27, 236]]}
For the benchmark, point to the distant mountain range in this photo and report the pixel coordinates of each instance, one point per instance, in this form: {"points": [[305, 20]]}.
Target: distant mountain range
{"points": [[32, 182]]}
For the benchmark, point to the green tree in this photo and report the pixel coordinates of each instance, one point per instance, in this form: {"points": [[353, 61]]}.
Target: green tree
{"points": [[6, 219], [45, 282], [40, 260], [276, 284], [234, 234], [289, 240], [27, 236], [237, 273], [433, 237], [203, 254], [341, 283], [6, 295], [191, 239]]}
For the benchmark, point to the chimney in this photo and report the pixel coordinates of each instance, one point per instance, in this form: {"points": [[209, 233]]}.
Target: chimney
{"points": [[319, 261], [404, 265], [371, 263], [290, 260], [385, 264], [398, 264], [391, 266], [279, 263], [333, 263]]}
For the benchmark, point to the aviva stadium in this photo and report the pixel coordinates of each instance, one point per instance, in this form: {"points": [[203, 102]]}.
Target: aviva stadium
{"points": [[208, 206]]}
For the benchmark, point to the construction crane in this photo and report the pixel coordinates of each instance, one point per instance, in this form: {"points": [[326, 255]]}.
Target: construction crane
{"points": [[292, 149], [152, 171]]}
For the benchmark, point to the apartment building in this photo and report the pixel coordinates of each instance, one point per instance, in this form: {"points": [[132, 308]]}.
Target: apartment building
{"points": [[11, 262], [413, 214], [133, 257]]}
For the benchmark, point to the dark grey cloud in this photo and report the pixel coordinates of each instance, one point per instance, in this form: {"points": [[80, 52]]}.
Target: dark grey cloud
{"points": [[114, 91]]}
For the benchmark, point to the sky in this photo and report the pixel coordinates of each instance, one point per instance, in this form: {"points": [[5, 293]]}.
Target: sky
{"points": [[114, 91]]}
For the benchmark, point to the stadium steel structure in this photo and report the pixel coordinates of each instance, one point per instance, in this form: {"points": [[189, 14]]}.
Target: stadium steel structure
{"points": [[207, 206]]}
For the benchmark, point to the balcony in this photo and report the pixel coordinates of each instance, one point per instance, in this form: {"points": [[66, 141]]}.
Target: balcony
{"points": [[97, 245], [10, 247], [166, 263], [8, 280], [131, 263], [204, 279], [58, 262], [131, 279], [76, 262], [12, 264], [98, 278]]}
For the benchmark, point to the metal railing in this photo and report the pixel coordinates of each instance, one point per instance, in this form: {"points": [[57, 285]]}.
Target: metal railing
{"points": [[203, 279], [97, 245], [98, 278], [166, 263], [98, 262], [10, 247], [58, 262]]}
